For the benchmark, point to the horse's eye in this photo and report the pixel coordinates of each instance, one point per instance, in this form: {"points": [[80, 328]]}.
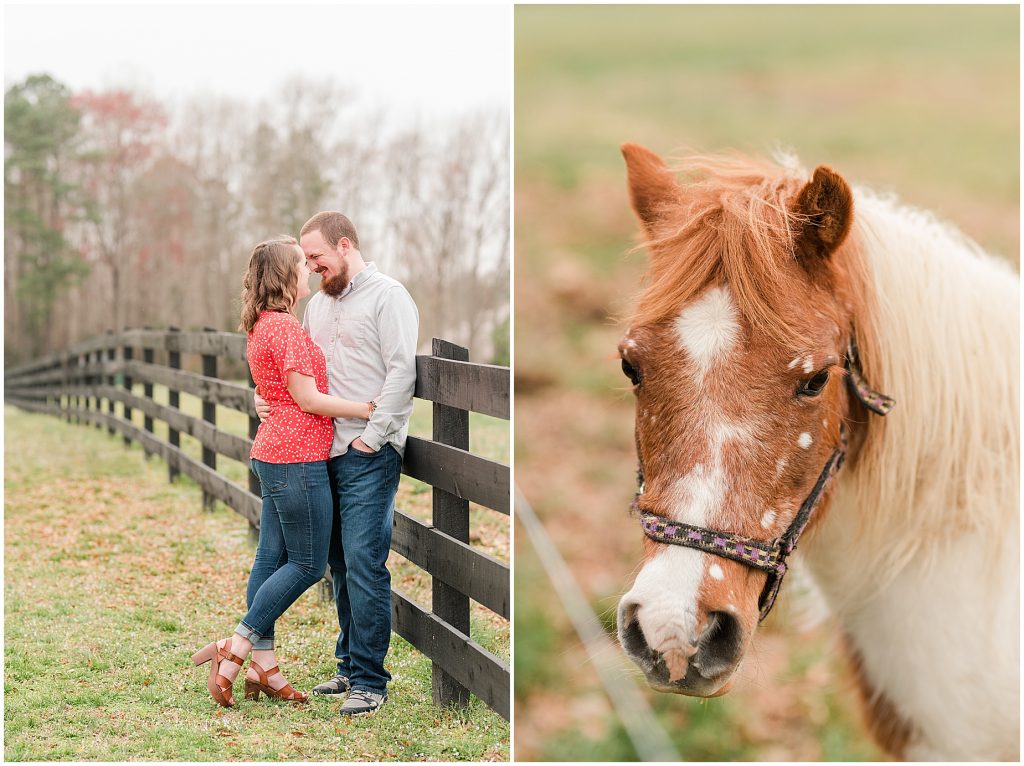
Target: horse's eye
{"points": [[631, 372], [813, 386]]}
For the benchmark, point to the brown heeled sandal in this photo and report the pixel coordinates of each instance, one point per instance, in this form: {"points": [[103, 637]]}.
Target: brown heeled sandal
{"points": [[253, 688], [218, 686]]}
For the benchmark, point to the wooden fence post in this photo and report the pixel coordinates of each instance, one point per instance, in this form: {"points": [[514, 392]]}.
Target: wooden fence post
{"points": [[147, 391], [82, 403], [451, 516], [81, 360], [82, 383], [254, 482], [85, 381], [128, 352], [94, 381], [72, 378], [72, 400], [110, 380], [210, 416], [173, 400], [65, 365]]}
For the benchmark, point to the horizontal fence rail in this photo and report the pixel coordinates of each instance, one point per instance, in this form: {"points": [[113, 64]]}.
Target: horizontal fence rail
{"points": [[83, 385]]}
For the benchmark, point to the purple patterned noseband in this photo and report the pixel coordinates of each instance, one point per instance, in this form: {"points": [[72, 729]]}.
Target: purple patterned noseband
{"points": [[768, 556]]}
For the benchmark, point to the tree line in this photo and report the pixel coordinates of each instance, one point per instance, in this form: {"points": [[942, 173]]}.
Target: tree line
{"points": [[122, 211]]}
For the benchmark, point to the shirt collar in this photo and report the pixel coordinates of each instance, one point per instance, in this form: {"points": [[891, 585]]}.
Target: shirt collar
{"points": [[362, 276], [368, 271]]}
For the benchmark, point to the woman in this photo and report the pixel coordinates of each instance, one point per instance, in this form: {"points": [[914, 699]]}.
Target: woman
{"points": [[289, 456]]}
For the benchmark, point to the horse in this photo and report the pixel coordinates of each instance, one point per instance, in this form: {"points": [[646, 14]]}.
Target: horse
{"points": [[778, 307]]}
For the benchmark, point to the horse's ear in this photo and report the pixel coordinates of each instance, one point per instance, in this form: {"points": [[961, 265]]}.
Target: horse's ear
{"points": [[825, 206], [652, 186]]}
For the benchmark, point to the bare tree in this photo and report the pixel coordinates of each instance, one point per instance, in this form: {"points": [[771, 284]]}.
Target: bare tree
{"points": [[447, 217], [120, 134]]}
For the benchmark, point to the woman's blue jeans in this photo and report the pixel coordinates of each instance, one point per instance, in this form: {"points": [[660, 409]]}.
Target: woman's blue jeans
{"points": [[295, 532]]}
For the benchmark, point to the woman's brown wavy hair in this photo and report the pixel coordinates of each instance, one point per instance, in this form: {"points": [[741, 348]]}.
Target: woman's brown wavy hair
{"points": [[271, 282]]}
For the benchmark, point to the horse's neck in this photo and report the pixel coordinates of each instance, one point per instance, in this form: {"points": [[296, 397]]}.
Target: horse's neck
{"points": [[918, 552], [947, 326]]}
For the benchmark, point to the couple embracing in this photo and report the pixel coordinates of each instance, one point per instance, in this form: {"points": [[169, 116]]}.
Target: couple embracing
{"points": [[335, 395]]}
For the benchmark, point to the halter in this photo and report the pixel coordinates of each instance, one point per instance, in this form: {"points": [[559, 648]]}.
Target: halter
{"points": [[768, 556]]}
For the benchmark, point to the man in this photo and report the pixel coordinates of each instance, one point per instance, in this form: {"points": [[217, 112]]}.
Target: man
{"points": [[366, 324]]}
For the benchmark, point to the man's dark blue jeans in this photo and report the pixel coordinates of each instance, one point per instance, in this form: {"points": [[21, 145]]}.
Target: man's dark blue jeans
{"points": [[292, 553], [364, 486]]}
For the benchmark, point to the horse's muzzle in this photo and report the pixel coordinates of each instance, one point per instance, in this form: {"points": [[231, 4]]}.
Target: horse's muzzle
{"points": [[700, 668]]}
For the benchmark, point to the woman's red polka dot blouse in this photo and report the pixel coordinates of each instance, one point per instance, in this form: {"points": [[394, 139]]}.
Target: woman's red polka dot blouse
{"points": [[277, 344]]}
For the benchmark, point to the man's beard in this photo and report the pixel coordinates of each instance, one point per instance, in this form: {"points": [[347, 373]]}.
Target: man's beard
{"points": [[335, 286]]}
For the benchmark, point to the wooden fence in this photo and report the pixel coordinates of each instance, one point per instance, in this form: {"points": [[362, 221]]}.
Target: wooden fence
{"points": [[84, 384]]}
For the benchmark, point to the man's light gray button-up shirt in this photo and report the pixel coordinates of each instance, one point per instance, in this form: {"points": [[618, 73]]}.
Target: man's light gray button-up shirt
{"points": [[368, 334]]}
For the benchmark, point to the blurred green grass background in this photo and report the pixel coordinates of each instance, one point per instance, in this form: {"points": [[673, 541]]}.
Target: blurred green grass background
{"points": [[922, 101]]}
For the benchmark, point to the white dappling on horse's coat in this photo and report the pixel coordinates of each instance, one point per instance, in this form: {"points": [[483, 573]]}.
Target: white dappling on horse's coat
{"points": [[805, 361], [804, 441], [768, 519], [716, 572], [929, 596], [708, 329]]}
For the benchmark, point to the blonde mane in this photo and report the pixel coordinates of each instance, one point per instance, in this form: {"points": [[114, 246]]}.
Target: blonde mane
{"points": [[943, 341]]}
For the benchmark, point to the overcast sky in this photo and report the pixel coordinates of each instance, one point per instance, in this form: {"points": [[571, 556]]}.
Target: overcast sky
{"points": [[428, 59]]}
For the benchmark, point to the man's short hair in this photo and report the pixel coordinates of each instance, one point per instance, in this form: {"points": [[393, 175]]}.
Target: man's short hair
{"points": [[332, 226]]}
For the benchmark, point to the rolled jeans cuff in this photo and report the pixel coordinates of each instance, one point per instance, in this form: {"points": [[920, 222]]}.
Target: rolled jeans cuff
{"points": [[259, 643]]}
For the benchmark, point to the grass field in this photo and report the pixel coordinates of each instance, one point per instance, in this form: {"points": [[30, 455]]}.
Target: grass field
{"points": [[113, 577], [918, 100]]}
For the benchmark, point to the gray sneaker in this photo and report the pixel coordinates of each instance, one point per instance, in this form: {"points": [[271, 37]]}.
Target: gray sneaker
{"points": [[361, 701], [336, 686]]}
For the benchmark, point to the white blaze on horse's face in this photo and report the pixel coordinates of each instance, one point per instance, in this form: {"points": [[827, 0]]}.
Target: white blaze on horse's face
{"points": [[708, 330]]}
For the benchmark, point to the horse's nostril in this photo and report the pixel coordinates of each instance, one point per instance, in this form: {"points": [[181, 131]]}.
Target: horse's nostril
{"points": [[631, 635], [720, 645]]}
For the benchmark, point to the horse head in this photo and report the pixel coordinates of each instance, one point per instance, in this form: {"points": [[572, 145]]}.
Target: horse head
{"points": [[739, 353]]}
